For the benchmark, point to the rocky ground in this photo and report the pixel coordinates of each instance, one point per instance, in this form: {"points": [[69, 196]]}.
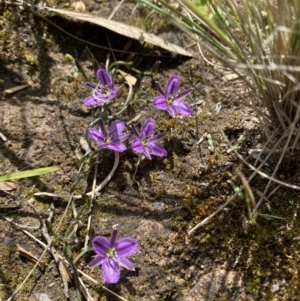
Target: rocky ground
{"points": [[42, 123]]}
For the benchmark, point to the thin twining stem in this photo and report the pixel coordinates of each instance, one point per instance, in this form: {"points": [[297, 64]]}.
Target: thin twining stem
{"points": [[98, 188], [87, 237]]}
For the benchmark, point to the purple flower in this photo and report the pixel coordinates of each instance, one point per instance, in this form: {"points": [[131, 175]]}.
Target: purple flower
{"points": [[171, 98], [103, 92], [146, 142], [112, 254], [112, 139]]}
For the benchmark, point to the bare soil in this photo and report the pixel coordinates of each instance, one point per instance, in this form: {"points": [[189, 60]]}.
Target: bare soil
{"points": [[42, 124]]}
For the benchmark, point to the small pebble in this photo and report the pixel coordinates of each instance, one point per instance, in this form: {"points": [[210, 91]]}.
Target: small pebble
{"points": [[160, 206], [42, 297], [51, 284], [79, 6], [3, 137]]}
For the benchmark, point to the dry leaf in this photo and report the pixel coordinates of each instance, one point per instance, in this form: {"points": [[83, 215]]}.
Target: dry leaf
{"points": [[63, 270], [30, 256], [123, 29], [131, 80], [230, 76], [15, 89], [7, 186]]}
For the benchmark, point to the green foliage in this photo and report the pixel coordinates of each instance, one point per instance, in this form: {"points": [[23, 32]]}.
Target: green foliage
{"points": [[201, 6], [203, 9], [258, 40], [28, 173]]}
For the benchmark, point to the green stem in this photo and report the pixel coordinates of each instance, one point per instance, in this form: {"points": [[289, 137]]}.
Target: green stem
{"points": [[68, 255]]}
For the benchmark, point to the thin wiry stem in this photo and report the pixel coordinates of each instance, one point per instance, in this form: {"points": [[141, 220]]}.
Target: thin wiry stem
{"points": [[16, 291], [97, 189], [87, 237]]}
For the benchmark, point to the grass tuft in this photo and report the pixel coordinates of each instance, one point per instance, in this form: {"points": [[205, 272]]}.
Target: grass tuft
{"points": [[259, 40]]}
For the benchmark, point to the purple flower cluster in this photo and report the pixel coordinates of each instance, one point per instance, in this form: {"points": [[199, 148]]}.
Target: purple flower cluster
{"points": [[145, 142], [111, 139], [171, 99], [103, 92], [112, 254]]}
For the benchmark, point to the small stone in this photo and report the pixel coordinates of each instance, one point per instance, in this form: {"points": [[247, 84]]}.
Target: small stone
{"points": [[3, 137], [160, 206], [79, 6], [42, 297]]}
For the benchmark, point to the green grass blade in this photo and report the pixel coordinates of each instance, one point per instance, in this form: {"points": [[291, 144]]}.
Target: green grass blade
{"points": [[28, 173]]}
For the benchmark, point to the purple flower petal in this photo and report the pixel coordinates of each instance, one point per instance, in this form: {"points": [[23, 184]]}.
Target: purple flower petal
{"points": [[112, 254], [116, 146], [117, 127], [135, 131], [91, 101], [147, 152], [156, 149], [171, 111], [181, 107], [148, 127], [113, 93], [171, 98], [184, 93], [96, 261], [91, 85], [126, 246], [104, 78], [101, 98], [101, 146], [100, 245], [157, 137], [96, 135], [146, 142], [111, 270], [103, 92], [124, 137], [173, 85], [111, 140], [136, 146], [160, 90], [125, 263], [102, 128], [113, 238], [160, 102]]}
